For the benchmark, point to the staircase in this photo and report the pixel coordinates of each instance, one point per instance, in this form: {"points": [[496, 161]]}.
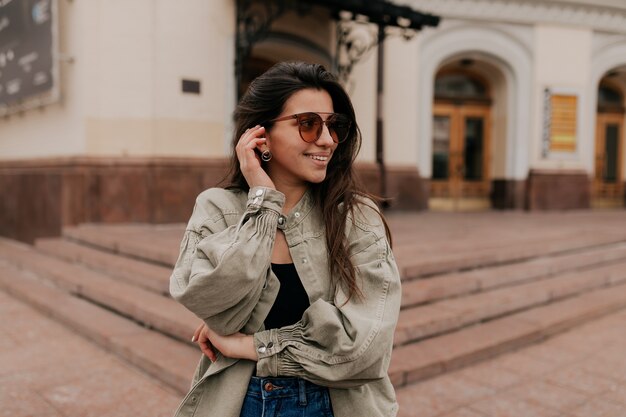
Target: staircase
{"points": [[471, 290]]}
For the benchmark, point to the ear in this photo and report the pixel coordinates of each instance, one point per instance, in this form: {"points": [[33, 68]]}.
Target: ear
{"points": [[268, 141]]}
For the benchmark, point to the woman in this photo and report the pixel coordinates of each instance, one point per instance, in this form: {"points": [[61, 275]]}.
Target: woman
{"points": [[290, 268]]}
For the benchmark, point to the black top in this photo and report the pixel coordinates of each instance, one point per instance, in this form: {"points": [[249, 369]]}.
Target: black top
{"points": [[291, 300]]}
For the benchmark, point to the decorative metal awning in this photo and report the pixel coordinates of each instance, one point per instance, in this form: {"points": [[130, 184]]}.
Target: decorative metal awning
{"points": [[255, 18]]}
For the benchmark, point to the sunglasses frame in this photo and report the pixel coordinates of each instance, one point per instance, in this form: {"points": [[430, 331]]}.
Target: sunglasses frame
{"points": [[324, 122]]}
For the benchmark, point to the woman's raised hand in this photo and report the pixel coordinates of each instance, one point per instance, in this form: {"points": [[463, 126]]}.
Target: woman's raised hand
{"points": [[249, 160]]}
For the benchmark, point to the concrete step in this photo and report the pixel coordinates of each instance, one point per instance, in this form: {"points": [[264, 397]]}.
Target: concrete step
{"points": [[427, 290], [143, 274], [415, 260], [472, 310], [435, 356], [414, 264], [158, 244], [444, 316], [152, 352], [153, 310]]}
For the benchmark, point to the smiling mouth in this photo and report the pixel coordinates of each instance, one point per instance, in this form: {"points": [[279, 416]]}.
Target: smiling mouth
{"points": [[318, 157]]}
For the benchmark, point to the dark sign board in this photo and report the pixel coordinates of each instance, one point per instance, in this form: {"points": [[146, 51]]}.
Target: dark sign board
{"points": [[27, 66]]}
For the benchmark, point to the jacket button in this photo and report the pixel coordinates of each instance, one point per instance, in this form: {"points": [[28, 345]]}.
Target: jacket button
{"points": [[259, 193], [261, 349], [297, 214], [268, 386], [281, 220]]}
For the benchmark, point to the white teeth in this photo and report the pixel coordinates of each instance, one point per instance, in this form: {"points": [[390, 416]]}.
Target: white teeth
{"points": [[319, 158]]}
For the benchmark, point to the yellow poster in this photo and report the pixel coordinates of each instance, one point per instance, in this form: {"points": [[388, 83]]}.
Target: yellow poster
{"points": [[563, 123]]}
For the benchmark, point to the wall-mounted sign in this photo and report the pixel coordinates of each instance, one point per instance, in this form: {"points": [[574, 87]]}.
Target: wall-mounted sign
{"points": [[28, 68], [560, 122]]}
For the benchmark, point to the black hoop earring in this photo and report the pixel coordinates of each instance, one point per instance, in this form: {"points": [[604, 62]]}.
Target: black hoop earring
{"points": [[266, 155]]}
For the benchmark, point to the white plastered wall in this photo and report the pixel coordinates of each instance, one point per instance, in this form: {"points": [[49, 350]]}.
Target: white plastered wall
{"points": [[362, 91], [136, 105], [400, 118], [401, 67], [122, 93], [563, 62]]}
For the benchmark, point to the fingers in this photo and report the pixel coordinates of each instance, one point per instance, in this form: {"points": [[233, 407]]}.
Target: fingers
{"points": [[248, 142], [201, 336], [205, 344], [251, 138], [196, 334], [249, 160], [208, 350]]}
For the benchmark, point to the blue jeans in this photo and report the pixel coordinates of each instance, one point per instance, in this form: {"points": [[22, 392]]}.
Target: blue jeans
{"points": [[285, 397]]}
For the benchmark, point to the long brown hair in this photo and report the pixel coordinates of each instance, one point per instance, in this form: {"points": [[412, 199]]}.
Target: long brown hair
{"points": [[264, 100]]}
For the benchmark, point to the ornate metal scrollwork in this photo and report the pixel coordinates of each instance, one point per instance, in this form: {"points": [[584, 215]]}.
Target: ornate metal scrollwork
{"points": [[354, 41], [254, 20], [357, 33], [356, 37]]}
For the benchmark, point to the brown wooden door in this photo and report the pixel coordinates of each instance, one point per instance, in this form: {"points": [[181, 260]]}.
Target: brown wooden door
{"points": [[461, 157], [609, 149]]}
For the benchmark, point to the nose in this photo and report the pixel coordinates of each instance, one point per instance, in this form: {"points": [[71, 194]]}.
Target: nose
{"points": [[325, 138]]}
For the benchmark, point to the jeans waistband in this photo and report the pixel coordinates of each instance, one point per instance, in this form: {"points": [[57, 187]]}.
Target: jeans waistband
{"points": [[282, 387]]}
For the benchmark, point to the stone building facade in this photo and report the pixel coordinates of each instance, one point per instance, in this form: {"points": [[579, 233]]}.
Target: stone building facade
{"points": [[505, 104]]}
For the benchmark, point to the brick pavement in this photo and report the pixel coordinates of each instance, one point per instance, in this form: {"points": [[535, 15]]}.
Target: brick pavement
{"points": [[476, 286], [580, 373], [48, 371]]}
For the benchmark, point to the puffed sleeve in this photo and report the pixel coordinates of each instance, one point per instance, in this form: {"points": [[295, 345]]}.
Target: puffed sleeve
{"points": [[220, 274], [343, 344]]}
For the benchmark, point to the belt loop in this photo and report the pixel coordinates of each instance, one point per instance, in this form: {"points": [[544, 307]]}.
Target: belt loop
{"points": [[302, 391]]}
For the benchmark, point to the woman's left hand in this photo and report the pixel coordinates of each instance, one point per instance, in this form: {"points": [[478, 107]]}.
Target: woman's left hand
{"points": [[237, 345]]}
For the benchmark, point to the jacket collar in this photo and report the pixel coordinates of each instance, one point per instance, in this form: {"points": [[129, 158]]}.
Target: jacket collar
{"points": [[299, 212]]}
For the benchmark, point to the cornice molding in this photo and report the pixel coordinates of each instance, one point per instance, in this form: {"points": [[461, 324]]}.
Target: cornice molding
{"points": [[601, 18]]}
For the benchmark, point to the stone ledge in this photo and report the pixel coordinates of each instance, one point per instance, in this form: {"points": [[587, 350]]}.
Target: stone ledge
{"points": [[558, 190], [42, 196]]}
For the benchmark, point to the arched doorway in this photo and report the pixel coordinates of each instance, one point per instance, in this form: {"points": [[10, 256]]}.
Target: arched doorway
{"points": [[608, 186], [461, 140]]}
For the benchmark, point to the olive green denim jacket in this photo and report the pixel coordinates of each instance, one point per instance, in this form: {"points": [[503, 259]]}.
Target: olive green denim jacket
{"points": [[223, 275]]}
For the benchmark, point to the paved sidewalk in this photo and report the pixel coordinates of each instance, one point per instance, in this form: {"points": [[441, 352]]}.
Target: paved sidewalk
{"points": [[47, 371], [580, 373]]}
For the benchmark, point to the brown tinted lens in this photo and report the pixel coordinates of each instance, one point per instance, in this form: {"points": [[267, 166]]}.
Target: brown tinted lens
{"points": [[339, 127], [310, 125]]}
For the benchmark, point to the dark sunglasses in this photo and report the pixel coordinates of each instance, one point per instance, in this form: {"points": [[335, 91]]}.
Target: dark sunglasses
{"points": [[311, 124]]}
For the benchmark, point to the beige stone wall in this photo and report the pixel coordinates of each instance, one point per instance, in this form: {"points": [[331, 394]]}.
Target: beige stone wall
{"points": [[122, 91], [136, 105], [563, 64]]}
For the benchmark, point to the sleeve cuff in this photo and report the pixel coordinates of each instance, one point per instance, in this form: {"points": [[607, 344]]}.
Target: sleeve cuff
{"points": [[269, 345], [267, 348], [266, 198]]}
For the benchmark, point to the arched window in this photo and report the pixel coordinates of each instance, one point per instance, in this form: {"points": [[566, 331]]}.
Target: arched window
{"points": [[610, 99], [460, 86]]}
